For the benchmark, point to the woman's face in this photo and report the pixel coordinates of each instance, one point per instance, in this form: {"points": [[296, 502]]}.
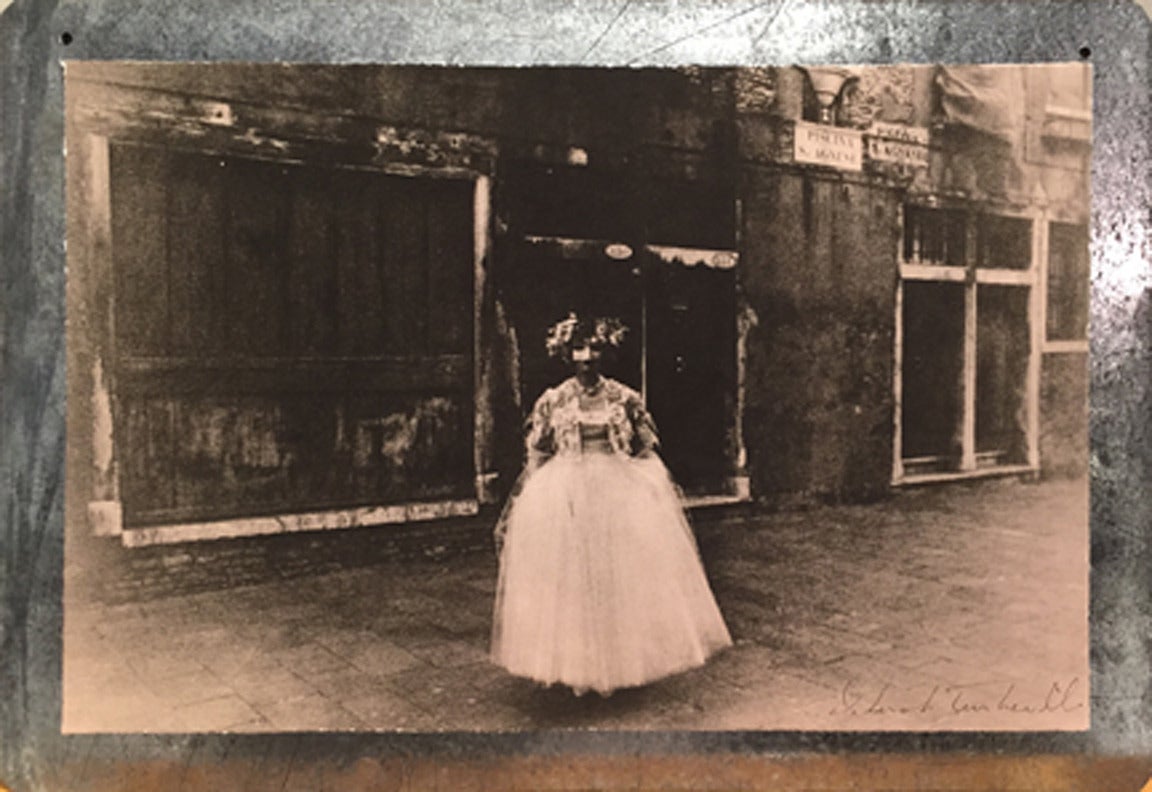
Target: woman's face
{"points": [[586, 360]]}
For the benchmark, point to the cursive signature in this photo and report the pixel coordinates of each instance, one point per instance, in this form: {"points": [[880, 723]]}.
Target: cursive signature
{"points": [[1062, 695]]}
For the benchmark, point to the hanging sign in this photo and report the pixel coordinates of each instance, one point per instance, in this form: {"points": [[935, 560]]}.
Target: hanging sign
{"points": [[818, 144], [904, 145]]}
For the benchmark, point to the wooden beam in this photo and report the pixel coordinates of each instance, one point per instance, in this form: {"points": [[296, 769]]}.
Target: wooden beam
{"points": [[898, 354], [91, 261], [898, 388], [293, 523], [1037, 298], [931, 272], [1041, 267], [739, 494], [966, 475], [1065, 348], [99, 274], [1006, 277], [968, 385], [279, 133], [484, 384]]}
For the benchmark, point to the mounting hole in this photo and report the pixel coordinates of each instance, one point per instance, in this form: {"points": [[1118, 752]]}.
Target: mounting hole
{"points": [[65, 38], [1085, 52]]}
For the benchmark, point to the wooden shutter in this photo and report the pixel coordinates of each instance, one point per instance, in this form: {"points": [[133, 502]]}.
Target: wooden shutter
{"points": [[288, 337]]}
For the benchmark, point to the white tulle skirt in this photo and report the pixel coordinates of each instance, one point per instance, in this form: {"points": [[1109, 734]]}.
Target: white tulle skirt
{"points": [[601, 585]]}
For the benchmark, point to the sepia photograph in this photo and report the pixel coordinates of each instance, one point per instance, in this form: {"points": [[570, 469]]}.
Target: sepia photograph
{"points": [[446, 399]]}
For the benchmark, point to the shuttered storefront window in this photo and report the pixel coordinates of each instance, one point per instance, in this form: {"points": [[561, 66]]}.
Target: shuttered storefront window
{"points": [[288, 337]]}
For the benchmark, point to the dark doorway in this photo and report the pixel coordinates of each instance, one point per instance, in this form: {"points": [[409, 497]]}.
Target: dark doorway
{"points": [[578, 238], [691, 368], [1002, 346], [679, 352], [932, 393]]}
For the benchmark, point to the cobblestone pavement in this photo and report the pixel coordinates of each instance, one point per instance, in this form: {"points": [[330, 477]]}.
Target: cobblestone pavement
{"points": [[962, 607]]}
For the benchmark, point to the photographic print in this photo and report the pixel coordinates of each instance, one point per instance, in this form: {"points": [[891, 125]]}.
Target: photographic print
{"points": [[437, 399]]}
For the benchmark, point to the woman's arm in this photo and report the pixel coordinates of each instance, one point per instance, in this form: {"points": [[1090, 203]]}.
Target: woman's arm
{"points": [[539, 438], [645, 438]]}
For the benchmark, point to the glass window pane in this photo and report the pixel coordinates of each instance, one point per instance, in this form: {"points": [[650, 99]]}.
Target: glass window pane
{"points": [[1004, 242], [932, 375], [934, 236], [1002, 348]]}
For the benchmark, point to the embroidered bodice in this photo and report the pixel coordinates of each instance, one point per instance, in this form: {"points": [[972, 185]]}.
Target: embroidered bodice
{"points": [[566, 420]]}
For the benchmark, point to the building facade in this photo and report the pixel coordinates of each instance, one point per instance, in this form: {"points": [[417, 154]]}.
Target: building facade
{"points": [[307, 297]]}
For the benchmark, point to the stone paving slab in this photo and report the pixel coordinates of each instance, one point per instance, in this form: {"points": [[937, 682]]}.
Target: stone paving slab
{"points": [[311, 658], [384, 706], [320, 713], [281, 685], [343, 684], [960, 607]]}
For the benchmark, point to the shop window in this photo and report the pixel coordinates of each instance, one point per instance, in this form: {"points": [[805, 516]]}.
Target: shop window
{"points": [[966, 362], [1068, 280]]}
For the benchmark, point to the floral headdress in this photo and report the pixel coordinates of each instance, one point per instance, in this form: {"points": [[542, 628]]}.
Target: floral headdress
{"points": [[573, 332]]}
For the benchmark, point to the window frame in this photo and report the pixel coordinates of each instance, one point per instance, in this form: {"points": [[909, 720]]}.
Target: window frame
{"points": [[972, 276], [1064, 345]]}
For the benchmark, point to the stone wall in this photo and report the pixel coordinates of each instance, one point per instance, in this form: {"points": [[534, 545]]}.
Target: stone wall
{"points": [[819, 272], [1064, 414]]}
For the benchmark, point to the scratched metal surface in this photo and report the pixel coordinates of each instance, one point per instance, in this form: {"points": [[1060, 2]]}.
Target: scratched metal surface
{"points": [[504, 32]]}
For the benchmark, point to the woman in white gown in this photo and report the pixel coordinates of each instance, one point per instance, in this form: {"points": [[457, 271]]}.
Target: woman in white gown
{"points": [[601, 585]]}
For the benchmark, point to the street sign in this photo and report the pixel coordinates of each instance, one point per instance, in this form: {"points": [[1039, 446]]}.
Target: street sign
{"points": [[899, 143], [818, 144]]}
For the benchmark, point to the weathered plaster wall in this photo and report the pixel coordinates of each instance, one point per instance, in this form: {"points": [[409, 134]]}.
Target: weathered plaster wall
{"points": [[819, 270], [1064, 415]]}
